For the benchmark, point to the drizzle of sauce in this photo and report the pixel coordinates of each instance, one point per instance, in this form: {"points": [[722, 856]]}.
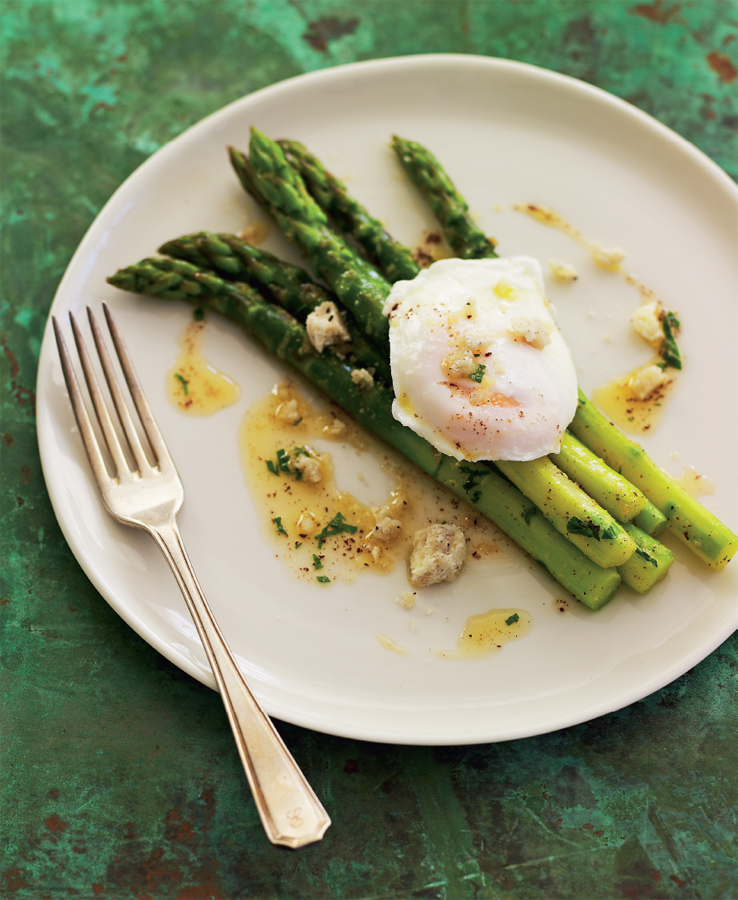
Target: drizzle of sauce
{"points": [[605, 259], [193, 385], [486, 633], [616, 401], [389, 644], [305, 509]]}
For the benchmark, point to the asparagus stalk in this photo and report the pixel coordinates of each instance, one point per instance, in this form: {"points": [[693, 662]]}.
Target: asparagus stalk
{"points": [[284, 336], [274, 183], [393, 259], [613, 492], [651, 520], [464, 236], [698, 529], [648, 565], [687, 519], [291, 286]]}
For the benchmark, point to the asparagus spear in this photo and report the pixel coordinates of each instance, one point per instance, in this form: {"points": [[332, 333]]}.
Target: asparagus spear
{"points": [[393, 259], [687, 519], [464, 236], [292, 287], [613, 492], [283, 335], [648, 565], [698, 529], [274, 183], [650, 519]]}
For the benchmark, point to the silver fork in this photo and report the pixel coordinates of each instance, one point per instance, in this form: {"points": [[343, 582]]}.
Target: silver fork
{"points": [[149, 497]]}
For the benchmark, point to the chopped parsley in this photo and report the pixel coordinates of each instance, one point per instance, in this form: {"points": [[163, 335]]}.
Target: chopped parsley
{"points": [[591, 530], [184, 381], [647, 557], [298, 421], [478, 375], [669, 350], [283, 461], [529, 513], [272, 468], [337, 525], [512, 620], [323, 579], [473, 477], [317, 562], [298, 544], [280, 527], [199, 314]]}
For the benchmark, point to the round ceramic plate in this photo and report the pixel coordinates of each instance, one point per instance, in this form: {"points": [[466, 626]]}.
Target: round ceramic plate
{"points": [[507, 133]]}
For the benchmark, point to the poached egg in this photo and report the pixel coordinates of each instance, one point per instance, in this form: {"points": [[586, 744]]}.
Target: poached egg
{"points": [[479, 367]]}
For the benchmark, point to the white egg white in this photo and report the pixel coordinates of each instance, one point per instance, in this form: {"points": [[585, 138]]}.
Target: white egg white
{"points": [[459, 315]]}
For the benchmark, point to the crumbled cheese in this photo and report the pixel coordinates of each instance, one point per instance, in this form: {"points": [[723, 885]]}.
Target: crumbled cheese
{"points": [[386, 527], [407, 599], [607, 259], [646, 321], [645, 382], [460, 364], [362, 379], [439, 552], [325, 326], [430, 610], [562, 272], [310, 467], [288, 412], [533, 331], [335, 428]]}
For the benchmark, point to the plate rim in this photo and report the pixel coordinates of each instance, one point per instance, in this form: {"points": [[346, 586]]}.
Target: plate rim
{"points": [[204, 125]]}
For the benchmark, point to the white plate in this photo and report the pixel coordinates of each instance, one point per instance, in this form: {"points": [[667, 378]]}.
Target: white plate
{"points": [[506, 133]]}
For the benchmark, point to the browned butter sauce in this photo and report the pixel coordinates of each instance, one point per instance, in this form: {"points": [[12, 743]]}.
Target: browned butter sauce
{"points": [[486, 633], [631, 415], [193, 385], [305, 509]]}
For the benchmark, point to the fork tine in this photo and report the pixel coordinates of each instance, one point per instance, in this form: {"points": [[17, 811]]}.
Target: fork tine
{"points": [[148, 421], [80, 410], [98, 402], [118, 400]]}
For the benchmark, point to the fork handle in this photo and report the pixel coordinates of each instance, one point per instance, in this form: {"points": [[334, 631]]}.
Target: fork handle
{"points": [[291, 813]]}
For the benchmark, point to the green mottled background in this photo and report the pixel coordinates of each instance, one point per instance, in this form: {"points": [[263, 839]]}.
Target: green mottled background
{"points": [[119, 778]]}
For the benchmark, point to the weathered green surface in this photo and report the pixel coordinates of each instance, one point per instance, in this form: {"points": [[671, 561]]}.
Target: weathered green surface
{"points": [[118, 777]]}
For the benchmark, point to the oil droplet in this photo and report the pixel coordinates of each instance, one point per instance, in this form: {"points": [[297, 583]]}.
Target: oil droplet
{"points": [[389, 644], [616, 401], [193, 385], [485, 633]]}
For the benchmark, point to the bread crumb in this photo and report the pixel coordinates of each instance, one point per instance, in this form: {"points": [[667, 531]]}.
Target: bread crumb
{"points": [[646, 322], [407, 599], [533, 331], [562, 272], [439, 552], [430, 610], [362, 379], [335, 428], [325, 326], [288, 412], [309, 466], [607, 259], [645, 382], [386, 527]]}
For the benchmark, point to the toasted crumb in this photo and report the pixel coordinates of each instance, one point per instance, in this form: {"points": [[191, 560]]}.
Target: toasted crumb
{"points": [[386, 527], [607, 259], [562, 272], [288, 412], [310, 467], [439, 552], [325, 327], [307, 523], [407, 599], [533, 331], [459, 364], [646, 322], [362, 379], [335, 428], [646, 381]]}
